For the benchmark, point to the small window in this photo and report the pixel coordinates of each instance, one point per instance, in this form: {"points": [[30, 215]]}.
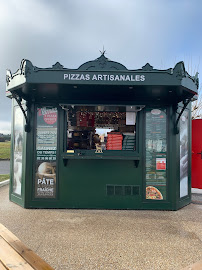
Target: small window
{"points": [[101, 127]]}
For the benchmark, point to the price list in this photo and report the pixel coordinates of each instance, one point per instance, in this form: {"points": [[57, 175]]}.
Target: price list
{"points": [[156, 151]]}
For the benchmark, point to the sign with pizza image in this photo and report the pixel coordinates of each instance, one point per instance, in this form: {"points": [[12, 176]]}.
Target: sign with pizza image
{"points": [[156, 154], [153, 193]]}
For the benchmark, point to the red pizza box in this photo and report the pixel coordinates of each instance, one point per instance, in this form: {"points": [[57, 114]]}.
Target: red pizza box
{"points": [[114, 135], [114, 141], [114, 148], [119, 133]]}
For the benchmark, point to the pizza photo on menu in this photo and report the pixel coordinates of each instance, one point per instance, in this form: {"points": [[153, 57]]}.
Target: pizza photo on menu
{"points": [[153, 193]]}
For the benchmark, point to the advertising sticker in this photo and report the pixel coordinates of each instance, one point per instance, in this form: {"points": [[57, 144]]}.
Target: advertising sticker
{"points": [[161, 164]]}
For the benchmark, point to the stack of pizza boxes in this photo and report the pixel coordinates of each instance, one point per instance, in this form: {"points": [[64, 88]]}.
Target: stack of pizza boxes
{"points": [[129, 141], [114, 141]]}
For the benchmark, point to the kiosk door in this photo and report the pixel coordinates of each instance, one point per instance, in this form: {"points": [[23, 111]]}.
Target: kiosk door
{"points": [[197, 153]]}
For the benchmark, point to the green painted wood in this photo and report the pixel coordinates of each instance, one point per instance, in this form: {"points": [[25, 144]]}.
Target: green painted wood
{"points": [[59, 83], [82, 183]]}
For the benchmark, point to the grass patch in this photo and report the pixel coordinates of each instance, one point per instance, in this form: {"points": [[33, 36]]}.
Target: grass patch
{"points": [[4, 177], [5, 150]]}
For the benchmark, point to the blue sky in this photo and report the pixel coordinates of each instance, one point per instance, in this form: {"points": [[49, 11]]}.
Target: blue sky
{"points": [[72, 32]]}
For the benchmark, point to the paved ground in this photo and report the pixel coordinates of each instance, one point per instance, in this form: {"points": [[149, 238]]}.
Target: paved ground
{"points": [[4, 166], [196, 198], [108, 239]]}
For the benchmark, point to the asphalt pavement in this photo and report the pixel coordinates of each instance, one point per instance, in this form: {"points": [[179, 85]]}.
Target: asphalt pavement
{"points": [[196, 196], [4, 166], [77, 239]]}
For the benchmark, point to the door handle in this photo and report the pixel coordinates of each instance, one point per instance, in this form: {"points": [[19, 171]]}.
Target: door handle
{"points": [[200, 154]]}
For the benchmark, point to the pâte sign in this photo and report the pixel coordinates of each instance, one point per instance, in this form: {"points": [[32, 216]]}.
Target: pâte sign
{"points": [[104, 77]]}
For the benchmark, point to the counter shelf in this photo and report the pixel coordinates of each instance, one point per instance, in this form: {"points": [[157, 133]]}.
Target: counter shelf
{"points": [[98, 156]]}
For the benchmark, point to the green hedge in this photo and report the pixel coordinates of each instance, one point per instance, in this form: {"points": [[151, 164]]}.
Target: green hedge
{"points": [[5, 150]]}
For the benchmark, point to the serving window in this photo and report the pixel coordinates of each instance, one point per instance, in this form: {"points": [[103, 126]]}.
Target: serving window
{"points": [[101, 128]]}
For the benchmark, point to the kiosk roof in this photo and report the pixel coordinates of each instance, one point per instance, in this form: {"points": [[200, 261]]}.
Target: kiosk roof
{"points": [[94, 80]]}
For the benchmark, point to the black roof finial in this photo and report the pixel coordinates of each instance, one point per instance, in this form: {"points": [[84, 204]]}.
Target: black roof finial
{"points": [[103, 51]]}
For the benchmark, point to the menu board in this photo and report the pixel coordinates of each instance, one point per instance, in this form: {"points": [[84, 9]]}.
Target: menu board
{"points": [[156, 154], [46, 147]]}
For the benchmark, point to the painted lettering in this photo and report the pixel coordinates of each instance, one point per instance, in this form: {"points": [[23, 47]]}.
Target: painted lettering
{"points": [[111, 77], [105, 77], [132, 78], [142, 78], [99, 77], [82, 77], [117, 78], [87, 77], [122, 77]]}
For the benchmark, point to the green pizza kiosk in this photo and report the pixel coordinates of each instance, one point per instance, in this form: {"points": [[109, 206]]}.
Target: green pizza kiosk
{"points": [[101, 136]]}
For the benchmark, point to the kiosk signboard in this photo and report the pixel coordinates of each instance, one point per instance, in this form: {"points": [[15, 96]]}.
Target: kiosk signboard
{"points": [[46, 147], [156, 154]]}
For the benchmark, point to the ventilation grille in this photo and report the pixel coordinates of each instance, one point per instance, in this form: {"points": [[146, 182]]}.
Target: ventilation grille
{"points": [[122, 190]]}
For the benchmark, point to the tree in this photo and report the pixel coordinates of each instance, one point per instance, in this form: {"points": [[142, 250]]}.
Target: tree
{"points": [[196, 110]]}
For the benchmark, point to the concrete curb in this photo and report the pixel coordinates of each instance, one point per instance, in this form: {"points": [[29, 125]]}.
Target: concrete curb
{"points": [[3, 183], [196, 191]]}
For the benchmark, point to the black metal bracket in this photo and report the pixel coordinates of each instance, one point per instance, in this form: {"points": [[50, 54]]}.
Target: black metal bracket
{"points": [[19, 100], [176, 128], [136, 163], [65, 161]]}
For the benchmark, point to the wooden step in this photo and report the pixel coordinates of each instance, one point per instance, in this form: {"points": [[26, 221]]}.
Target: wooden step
{"points": [[195, 266], [14, 254], [2, 267]]}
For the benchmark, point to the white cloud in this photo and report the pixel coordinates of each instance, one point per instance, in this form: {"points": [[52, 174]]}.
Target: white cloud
{"points": [[133, 32], [5, 127]]}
